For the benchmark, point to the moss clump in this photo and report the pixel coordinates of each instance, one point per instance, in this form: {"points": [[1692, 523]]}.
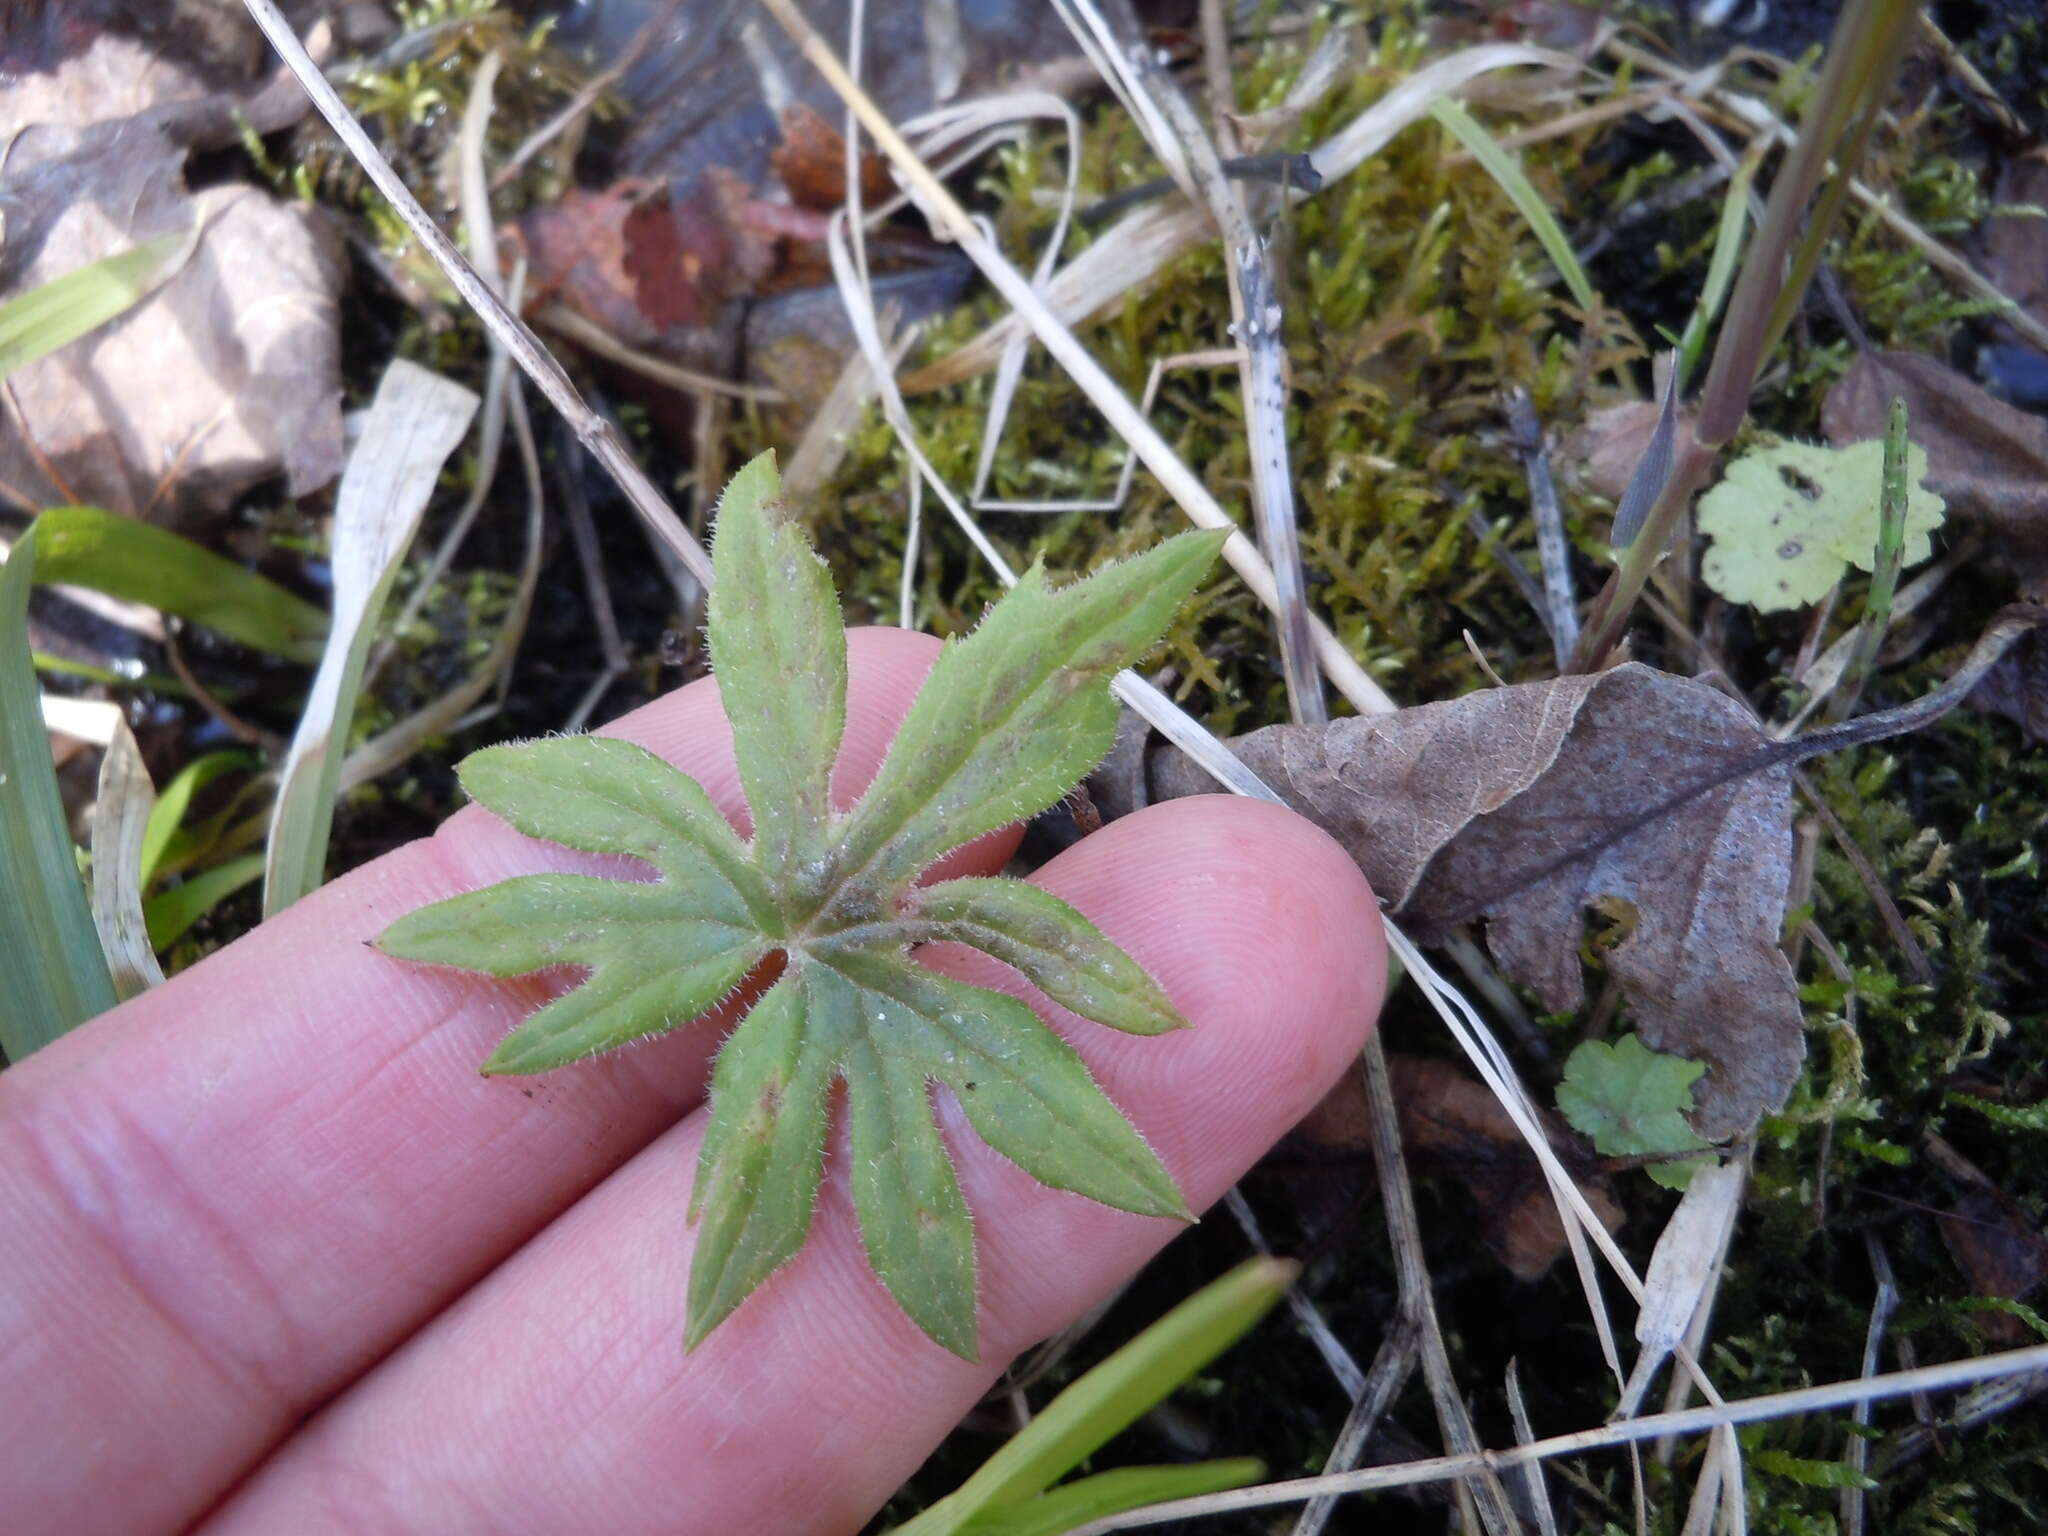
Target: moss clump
{"points": [[1414, 295]]}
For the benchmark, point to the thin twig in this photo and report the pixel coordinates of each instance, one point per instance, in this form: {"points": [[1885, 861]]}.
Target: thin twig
{"points": [[593, 337], [227, 719]]}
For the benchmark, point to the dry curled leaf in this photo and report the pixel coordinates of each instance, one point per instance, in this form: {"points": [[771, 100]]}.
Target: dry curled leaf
{"points": [[653, 267], [1988, 461], [240, 347], [1526, 805]]}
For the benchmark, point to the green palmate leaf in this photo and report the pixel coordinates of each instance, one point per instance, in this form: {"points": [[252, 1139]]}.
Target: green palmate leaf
{"points": [[1632, 1101], [780, 655], [1789, 519], [1010, 718]]}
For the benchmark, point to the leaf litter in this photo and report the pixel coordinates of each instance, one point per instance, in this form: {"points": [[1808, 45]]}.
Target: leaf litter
{"points": [[240, 347], [1651, 796]]}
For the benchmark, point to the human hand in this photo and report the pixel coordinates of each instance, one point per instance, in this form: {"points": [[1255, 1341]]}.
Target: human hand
{"points": [[279, 1259]]}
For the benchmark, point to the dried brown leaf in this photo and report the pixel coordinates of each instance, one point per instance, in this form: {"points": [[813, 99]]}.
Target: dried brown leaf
{"points": [[651, 268], [1988, 460], [1526, 805], [226, 374], [811, 161], [1653, 799]]}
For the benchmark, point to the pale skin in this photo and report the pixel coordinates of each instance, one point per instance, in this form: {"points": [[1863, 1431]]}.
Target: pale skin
{"points": [[276, 1257]]}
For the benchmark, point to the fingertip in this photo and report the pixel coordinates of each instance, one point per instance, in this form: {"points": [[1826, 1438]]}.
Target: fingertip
{"points": [[1268, 939]]}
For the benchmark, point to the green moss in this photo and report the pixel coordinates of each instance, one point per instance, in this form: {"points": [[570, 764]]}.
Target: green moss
{"points": [[411, 96], [1414, 295]]}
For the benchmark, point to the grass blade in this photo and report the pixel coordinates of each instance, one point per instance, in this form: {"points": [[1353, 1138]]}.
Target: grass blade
{"points": [[1720, 266], [1109, 1398], [85, 547], [49, 949], [1117, 1492], [1506, 171], [164, 849], [58, 312], [169, 913], [414, 424]]}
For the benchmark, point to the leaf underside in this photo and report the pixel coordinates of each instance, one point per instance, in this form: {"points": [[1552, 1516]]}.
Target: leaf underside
{"points": [[1010, 718]]}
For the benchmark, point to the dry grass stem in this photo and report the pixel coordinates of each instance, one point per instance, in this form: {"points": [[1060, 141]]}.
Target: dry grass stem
{"points": [[949, 218], [592, 430], [2015, 1364], [1417, 1296], [1256, 315], [1140, 245], [1391, 1368]]}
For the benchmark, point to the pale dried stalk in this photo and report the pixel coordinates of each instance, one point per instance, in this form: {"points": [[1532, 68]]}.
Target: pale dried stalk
{"points": [[1186, 488], [1391, 1368], [1140, 245], [1418, 1300], [1692, 1421], [490, 438], [1532, 1473], [1256, 312]]}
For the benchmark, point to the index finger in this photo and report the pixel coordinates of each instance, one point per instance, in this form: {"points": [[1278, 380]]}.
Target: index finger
{"points": [[228, 1198]]}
